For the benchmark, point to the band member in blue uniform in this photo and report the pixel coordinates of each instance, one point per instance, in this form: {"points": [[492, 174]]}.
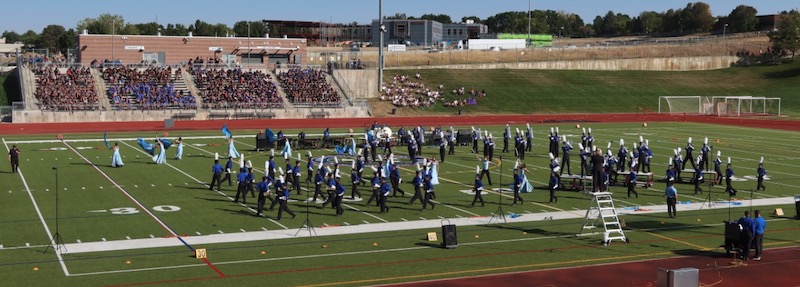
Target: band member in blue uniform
{"points": [[356, 181], [718, 169], [394, 176], [228, 167], [330, 185], [241, 189], [698, 180], [704, 154], [384, 190], [263, 193], [477, 188], [566, 147], [689, 157], [319, 182], [284, 202], [553, 185], [622, 155], [728, 178], [631, 183], [429, 193], [376, 185], [417, 183], [337, 202], [485, 170], [216, 169], [761, 173], [506, 136]]}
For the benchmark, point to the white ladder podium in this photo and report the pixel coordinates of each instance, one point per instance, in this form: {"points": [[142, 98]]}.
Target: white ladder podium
{"points": [[602, 210]]}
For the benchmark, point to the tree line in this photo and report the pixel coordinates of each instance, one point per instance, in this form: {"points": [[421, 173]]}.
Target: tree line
{"points": [[693, 18]]}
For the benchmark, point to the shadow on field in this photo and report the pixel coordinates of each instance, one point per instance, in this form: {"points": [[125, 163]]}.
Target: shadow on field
{"points": [[714, 253], [783, 74]]}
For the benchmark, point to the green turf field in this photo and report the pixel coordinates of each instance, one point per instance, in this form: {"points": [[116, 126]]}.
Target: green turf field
{"points": [[552, 91], [114, 209]]}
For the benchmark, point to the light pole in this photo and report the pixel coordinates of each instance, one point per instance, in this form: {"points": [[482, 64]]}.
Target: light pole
{"points": [[381, 29], [724, 41], [248, 46], [113, 35], [529, 24]]}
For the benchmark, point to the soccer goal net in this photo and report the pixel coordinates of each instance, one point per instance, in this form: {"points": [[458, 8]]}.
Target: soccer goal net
{"points": [[746, 106], [695, 105]]}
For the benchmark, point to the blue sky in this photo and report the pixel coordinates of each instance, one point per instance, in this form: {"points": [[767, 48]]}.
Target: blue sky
{"points": [[21, 16]]}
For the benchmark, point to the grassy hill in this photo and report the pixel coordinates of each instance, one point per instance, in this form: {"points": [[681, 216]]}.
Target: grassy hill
{"points": [[553, 91]]}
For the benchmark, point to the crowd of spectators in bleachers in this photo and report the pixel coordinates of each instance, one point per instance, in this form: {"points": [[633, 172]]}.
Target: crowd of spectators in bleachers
{"points": [[150, 88], [235, 88], [405, 91], [308, 87], [67, 91]]}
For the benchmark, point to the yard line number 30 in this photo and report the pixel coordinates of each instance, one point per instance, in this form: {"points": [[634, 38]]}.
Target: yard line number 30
{"points": [[133, 210]]}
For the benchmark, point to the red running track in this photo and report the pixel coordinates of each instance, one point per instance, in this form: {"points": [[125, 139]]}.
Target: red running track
{"points": [[45, 128], [775, 269]]}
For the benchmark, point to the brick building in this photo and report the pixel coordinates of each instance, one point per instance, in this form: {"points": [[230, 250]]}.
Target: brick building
{"points": [[133, 49]]}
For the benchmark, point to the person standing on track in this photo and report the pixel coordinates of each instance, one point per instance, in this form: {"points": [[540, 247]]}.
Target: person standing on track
{"points": [[760, 225], [672, 198]]}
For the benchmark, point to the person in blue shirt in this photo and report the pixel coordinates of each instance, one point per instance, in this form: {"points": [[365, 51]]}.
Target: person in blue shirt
{"points": [[670, 172], [376, 185], [310, 169], [728, 177], [429, 193], [566, 147], [622, 155], [241, 189], [698, 179], [394, 176], [360, 169], [263, 193], [278, 184], [296, 176], [330, 185], [384, 193], [228, 167], [689, 157], [272, 167], [250, 180], [717, 169], [326, 137], [216, 169], [746, 235], [417, 183], [319, 182], [631, 183], [356, 181], [704, 154], [553, 185], [475, 137], [485, 170], [761, 174], [284, 199], [289, 171], [516, 186], [337, 202], [760, 225], [477, 188], [672, 198]]}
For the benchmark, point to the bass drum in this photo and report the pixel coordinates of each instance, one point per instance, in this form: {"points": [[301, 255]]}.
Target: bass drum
{"points": [[385, 132]]}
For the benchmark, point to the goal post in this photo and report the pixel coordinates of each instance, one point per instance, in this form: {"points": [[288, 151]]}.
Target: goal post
{"points": [[681, 105], [737, 106]]}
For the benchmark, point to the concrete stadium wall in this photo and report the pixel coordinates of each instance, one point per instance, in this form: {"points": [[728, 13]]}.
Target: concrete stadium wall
{"points": [[644, 64], [362, 83], [36, 116]]}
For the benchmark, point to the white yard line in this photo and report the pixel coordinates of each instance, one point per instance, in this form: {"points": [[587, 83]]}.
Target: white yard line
{"points": [[41, 218]]}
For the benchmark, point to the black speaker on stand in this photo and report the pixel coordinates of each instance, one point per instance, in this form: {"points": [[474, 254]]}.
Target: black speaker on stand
{"points": [[449, 235]]}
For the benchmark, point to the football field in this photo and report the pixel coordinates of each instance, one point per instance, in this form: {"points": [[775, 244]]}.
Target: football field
{"points": [[142, 223]]}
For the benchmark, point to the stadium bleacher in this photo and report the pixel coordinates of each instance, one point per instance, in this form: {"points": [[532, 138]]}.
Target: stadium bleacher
{"points": [[151, 88], [308, 88], [234, 88], [65, 89]]}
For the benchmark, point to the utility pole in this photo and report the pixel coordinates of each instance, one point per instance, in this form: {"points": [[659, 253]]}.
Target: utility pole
{"points": [[380, 45]]}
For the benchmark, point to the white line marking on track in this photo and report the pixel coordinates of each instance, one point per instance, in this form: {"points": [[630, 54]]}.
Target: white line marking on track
{"points": [[103, 239], [79, 241], [365, 222], [242, 230], [128, 237]]}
